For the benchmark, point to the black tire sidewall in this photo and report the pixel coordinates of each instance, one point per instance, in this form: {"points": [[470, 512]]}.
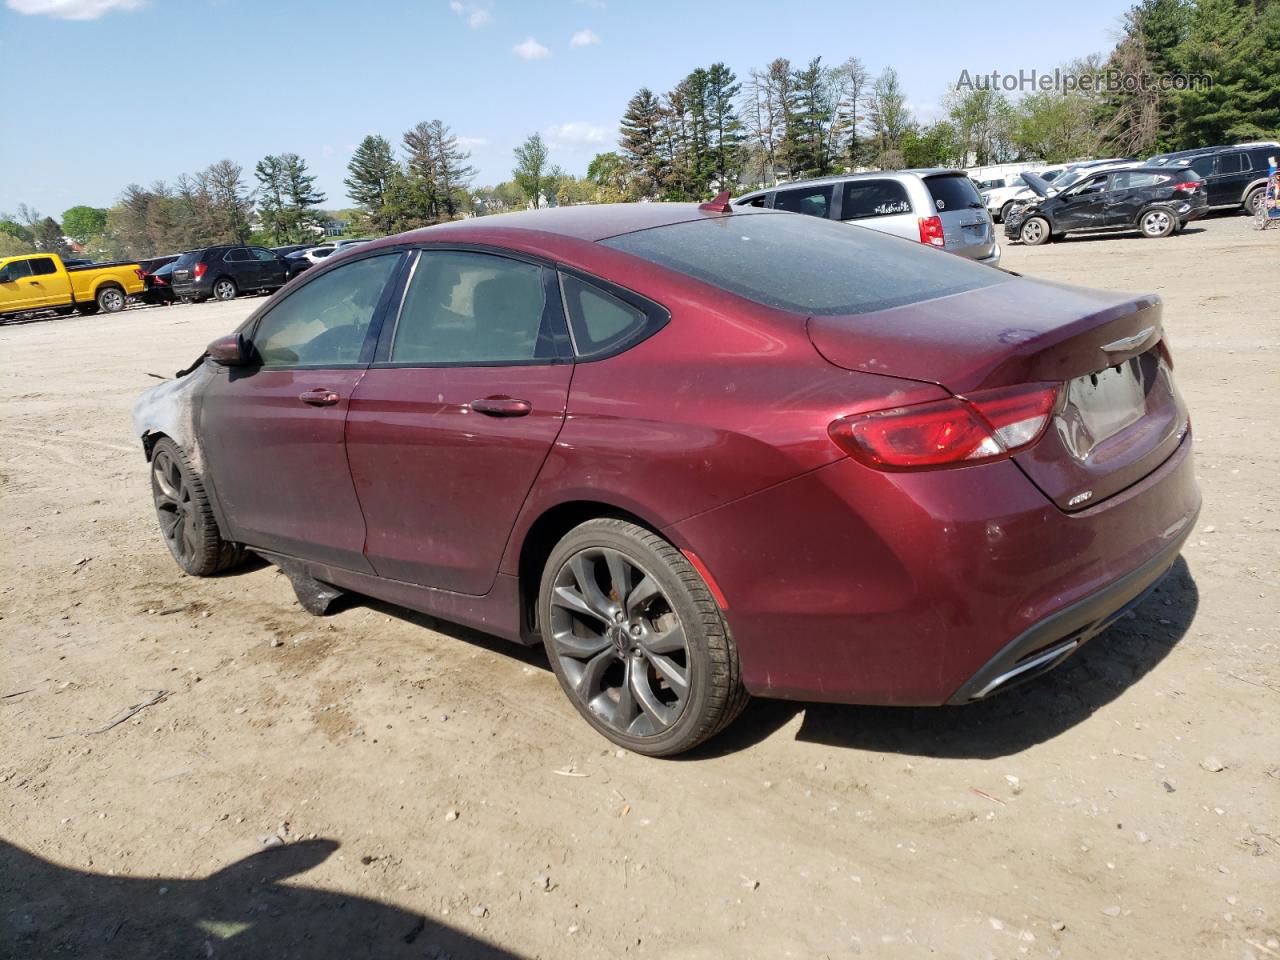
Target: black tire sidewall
{"points": [[685, 732]]}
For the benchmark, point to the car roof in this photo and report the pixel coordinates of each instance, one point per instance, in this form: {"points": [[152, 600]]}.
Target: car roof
{"points": [[589, 222]]}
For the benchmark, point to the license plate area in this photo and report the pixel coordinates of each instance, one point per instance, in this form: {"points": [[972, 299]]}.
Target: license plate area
{"points": [[1101, 405]]}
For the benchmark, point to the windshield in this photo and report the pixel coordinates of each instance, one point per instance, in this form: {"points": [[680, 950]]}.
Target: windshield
{"points": [[806, 265]]}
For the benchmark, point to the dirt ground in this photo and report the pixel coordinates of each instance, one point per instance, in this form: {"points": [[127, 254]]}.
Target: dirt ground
{"points": [[379, 784]]}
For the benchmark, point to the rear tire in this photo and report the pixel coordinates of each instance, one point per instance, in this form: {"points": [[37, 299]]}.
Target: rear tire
{"points": [[636, 639], [110, 299], [1035, 231], [224, 288], [1157, 223], [186, 517]]}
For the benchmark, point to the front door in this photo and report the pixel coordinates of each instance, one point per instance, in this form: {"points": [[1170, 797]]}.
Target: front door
{"points": [[274, 432], [1083, 207], [450, 426], [53, 286], [19, 289]]}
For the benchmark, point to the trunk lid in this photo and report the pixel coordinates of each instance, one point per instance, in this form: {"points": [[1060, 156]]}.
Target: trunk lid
{"points": [[1119, 416]]}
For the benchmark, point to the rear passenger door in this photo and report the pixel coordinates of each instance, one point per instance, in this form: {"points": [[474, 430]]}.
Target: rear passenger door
{"points": [[881, 204], [814, 201], [451, 424], [271, 272], [1126, 195], [1231, 174], [240, 264]]}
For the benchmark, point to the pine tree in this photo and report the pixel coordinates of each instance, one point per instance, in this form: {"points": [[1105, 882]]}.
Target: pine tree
{"points": [[723, 126], [271, 198], [453, 172], [300, 196], [641, 141], [373, 172], [422, 174], [230, 205]]}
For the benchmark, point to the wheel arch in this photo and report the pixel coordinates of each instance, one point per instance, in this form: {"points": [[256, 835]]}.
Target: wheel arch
{"points": [[540, 538]]}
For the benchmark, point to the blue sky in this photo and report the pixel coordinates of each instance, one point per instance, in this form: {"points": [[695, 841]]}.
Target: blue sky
{"points": [[124, 91]]}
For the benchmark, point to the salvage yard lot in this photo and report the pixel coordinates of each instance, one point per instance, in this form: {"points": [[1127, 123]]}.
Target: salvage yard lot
{"points": [[437, 794]]}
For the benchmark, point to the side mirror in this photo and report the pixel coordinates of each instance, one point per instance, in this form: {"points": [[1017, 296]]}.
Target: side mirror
{"points": [[229, 351]]}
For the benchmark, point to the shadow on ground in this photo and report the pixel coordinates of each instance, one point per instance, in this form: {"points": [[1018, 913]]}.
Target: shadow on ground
{"points": [[242, 911], [1007, 724]]}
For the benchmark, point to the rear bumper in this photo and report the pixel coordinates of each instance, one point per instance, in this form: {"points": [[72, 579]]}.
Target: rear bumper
{"points": [[1044, 646], [994, 259], [849, 585]]}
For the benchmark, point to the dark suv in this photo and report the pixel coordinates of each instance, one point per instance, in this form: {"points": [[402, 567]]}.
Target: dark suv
{"points": [[1233, 176], [224, 272], [1157, 201]]}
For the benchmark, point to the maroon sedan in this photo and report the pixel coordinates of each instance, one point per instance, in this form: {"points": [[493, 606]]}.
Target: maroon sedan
{"points": [[697, 454]]}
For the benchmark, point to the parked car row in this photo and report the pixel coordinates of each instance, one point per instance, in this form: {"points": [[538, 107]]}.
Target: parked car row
{"points": [[938, 207]]}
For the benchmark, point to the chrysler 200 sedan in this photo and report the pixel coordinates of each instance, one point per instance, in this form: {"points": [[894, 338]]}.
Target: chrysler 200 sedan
{"points": [[699, 453]]}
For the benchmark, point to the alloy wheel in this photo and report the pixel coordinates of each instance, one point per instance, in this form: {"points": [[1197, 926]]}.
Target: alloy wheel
{"points": [[224, 290], [112, 300], [1155, 223], [621, 645], [1032, 231], [174, 506]]}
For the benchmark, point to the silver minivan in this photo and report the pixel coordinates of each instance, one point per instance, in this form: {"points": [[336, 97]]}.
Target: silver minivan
{"points": [[940, 207]]}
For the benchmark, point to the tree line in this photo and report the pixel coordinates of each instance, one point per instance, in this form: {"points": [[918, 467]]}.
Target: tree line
{"points": [[714, 130]]}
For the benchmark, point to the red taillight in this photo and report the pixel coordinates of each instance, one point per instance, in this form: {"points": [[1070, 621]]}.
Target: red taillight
{"points": [[200, 268], [1190, 186], [142, 274], [160, 281], [931, 231], [984, 426]]}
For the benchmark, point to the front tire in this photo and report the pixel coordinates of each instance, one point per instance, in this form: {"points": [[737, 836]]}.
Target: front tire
{"points": [[636, 639], [224, 288], [186, 517], [110, 299], [1157, 223], [1035, 231], [1005, 210]]}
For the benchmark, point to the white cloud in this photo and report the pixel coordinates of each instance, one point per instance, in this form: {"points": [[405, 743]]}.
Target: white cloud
{"points": [[531, 49], [576, 133], [584, 38], [73, 9], [477, 16]]}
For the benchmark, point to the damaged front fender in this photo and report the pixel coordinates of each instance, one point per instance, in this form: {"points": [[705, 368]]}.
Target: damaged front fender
{"points": [[168, 409]]}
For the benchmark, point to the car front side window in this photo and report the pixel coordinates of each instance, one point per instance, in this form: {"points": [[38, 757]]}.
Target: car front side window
{"points": [[324, 323], [473, 308]]}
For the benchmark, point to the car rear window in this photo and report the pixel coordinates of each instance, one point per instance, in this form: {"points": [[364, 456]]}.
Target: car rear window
{"points": [[187, 259], [807, 265], [952, 191]]}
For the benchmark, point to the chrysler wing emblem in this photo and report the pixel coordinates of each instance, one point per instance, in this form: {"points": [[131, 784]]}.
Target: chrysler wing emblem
{"points": [[1128, 343]]}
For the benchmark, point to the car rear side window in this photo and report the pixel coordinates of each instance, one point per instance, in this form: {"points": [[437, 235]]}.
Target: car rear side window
{"points": [[1134, 180], [42, 266], [323, 323], [601, 323], [472, 308], [814, 201], [238, 255], [952, 191], [873, 198], [805, 265], [1203, 165]]}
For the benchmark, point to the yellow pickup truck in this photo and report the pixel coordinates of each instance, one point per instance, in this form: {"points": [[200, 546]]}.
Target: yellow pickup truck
{"points": [[41, 281]]}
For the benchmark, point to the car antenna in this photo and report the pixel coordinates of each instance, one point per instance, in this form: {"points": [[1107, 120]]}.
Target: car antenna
{"points": [[719, 205]]}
